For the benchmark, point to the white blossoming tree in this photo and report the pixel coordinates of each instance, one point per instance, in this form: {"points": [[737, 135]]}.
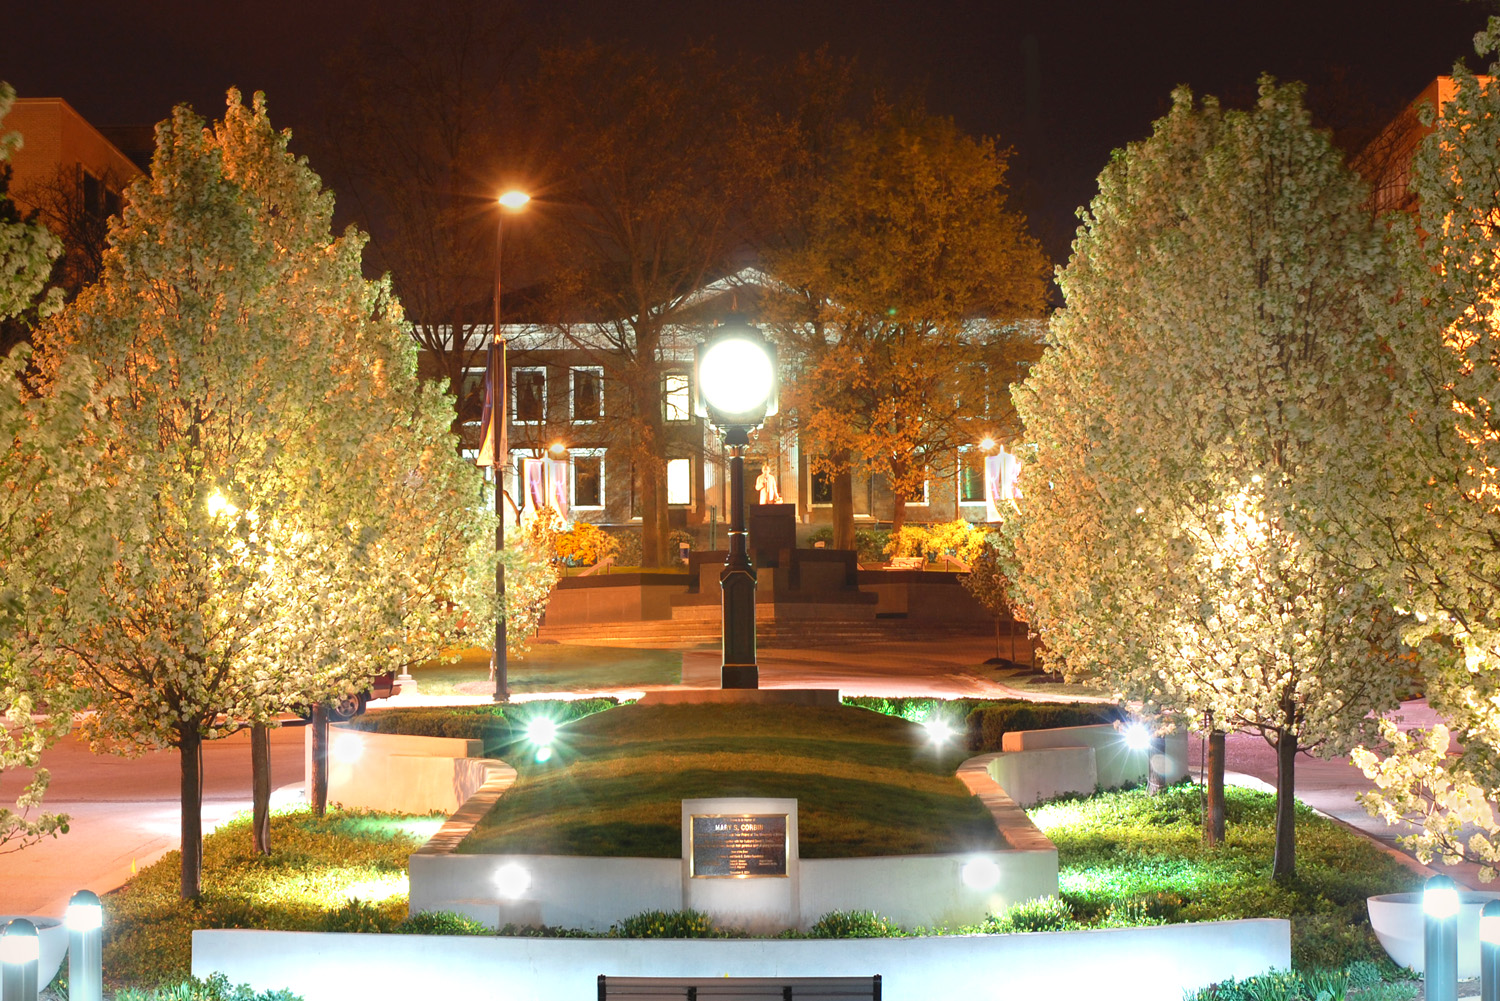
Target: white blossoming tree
{"points": [[1437, 535], [294, 481], [1216, 345]]}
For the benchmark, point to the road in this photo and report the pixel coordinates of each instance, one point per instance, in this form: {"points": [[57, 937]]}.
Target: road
{"points": [[124, 814]]}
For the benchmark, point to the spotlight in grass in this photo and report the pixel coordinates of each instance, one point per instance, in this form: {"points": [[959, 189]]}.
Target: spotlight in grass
{"points": [[376, 890], [1137, 736], [348, 747], [512, 880], [541, 731], [981, 874], [543, 755], [938, 730]]}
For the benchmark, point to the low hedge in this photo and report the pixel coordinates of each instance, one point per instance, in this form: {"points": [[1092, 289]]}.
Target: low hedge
{"points": [[495, 725], [985, 721]]}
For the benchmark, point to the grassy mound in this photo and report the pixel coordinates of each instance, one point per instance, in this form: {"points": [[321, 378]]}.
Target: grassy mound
{"points": [[866, 784]]}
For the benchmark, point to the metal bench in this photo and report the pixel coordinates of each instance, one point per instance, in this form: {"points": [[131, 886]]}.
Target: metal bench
{"points": [[906, 563], [740, 988]]}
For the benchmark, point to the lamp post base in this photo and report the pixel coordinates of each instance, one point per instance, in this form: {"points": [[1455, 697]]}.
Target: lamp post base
{"points": [[739, 676]]}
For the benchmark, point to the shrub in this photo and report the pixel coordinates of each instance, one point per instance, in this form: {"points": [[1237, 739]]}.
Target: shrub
{"points": [[1040, 914], [215, 988], [627, 546], [869, 543], [667, 924], [495, 725], [544, 931], [1332, 940], [585, 544], [988, 722], [360, 916], [854, 924], [441, 923]]}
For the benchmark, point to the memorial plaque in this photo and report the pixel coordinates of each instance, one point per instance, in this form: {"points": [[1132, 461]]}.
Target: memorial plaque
{"points": [[736, 846]]}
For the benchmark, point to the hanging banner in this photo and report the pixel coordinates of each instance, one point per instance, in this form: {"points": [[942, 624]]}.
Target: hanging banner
{"points": [[492, 421], [557, 476], [1002, 474], [534, 475]]}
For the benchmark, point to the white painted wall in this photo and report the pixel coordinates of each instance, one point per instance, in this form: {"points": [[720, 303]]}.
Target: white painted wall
{"points": [[1045, 772], [397, 773], [1123, 964], [1116, 763]]}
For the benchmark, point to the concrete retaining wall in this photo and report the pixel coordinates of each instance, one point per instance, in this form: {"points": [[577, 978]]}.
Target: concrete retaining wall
{"points": [[1032, 776], [398, 773], [1116, 764], [595, 893], [1122, 964]]}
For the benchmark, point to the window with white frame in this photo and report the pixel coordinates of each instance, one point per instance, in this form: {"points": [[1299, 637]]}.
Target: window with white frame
{"points": [[528, 395], [679, 481], [472, 386], [588, 477], [677, 396], [970, 476], [587, 393], [917, 496]]}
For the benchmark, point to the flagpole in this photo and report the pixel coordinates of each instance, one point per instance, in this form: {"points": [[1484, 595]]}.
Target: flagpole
{"points": [[500, 418]]}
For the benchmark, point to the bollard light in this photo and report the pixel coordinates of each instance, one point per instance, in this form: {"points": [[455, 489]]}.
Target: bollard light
{"points": [[1489, 952], [85, 919], [1440, 906], [19, 954]]}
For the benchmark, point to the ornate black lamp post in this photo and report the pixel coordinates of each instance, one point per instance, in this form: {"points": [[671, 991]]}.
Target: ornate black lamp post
{"points": [[735, 388]]}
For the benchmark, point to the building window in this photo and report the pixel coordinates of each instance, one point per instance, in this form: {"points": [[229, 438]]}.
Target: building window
{"points": [[917, 497], [821, 491], [528, 395], [679, 402], [588, 478], [588, 394], [679, 481], [970, 476], [471, 391]]}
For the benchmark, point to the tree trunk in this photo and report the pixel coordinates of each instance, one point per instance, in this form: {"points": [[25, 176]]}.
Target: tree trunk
{"points": [[1284, 863], [260, 787], [319, 724], [654, 528], [190, 753], [843, 507], [898, 512], [1213, 785]]}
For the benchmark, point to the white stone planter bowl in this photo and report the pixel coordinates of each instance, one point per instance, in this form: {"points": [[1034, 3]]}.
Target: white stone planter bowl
{"points": [[52, 943], [1397, 920]]}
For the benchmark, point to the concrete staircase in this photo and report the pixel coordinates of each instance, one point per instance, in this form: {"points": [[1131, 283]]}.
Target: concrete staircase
{"points": [[671, 634]]}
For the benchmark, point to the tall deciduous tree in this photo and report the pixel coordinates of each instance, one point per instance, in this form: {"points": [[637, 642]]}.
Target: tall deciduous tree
{"points": [[905, 282], [272, 437], [1218, 351], [656, 167], [1436, 535]]}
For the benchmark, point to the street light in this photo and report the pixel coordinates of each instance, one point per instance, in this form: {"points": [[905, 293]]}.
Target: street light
{"points": [[510, 201], [734, 387]]}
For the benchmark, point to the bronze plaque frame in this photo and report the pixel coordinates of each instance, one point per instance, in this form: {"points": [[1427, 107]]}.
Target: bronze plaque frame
{"points": [[784, 845]]}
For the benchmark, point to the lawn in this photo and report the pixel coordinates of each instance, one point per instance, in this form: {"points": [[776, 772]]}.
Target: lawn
{"points": [[554, 667], [866, 784], [1128, 854], [346, 872]]}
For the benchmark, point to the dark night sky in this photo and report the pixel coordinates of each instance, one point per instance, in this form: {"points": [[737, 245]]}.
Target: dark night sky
{"points": [[1102, 68]]}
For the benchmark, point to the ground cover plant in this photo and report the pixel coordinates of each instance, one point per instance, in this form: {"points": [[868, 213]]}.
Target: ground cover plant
{"points": [[344, 872], [553, 667], [984, 722], [1132, 858], [866, 784], [499, 726]]}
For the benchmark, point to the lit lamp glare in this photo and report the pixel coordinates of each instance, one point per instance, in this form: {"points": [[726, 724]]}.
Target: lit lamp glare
{"points": [[735, 375], [1137, 737], [84, 914], [1440, 901], [1440, 907], [85, 919], [981, 874], [19, 944], [541, 731], [1489, 952], [938, 730], [514, 199], [512, 880]]}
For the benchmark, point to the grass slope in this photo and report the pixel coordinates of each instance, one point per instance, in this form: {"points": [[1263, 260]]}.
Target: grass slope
{"points": [[866, 784]]}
